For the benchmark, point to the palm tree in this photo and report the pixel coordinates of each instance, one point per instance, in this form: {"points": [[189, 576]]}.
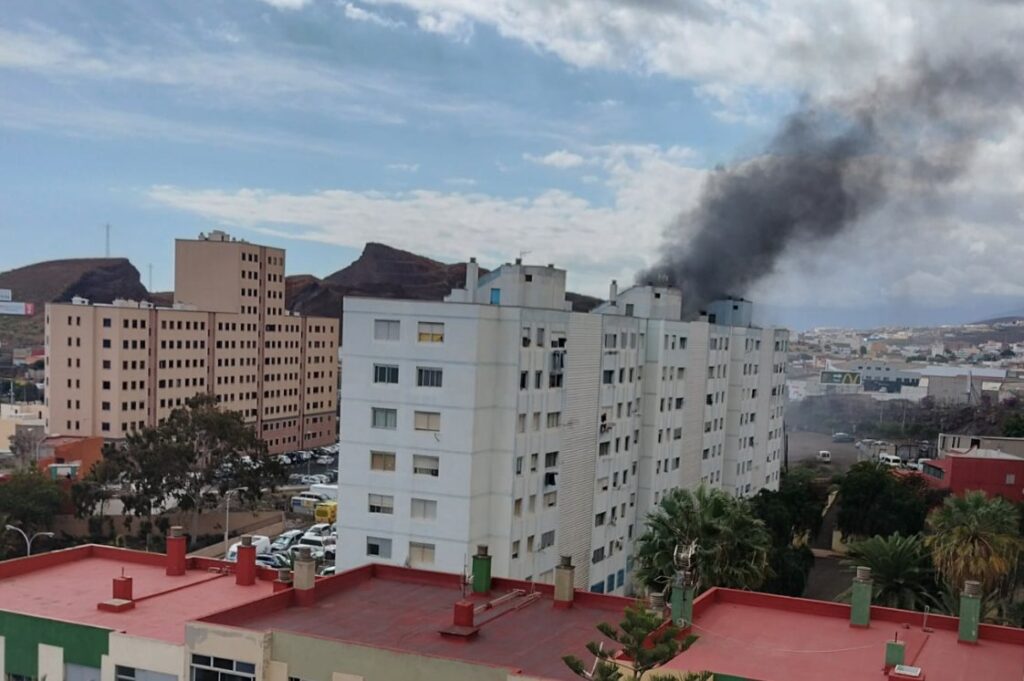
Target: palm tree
{"points": [[901, 570], [975, 537], [733, 546]]}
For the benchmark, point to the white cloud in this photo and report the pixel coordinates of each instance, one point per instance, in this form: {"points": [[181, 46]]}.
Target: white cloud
{"points": [[827, 48], [449, 24], [404, 167], [594, 241], [287, 4], [460, 181], [557, 159], [356, 13]]}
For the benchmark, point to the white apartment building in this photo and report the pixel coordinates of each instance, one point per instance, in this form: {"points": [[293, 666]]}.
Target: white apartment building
{"points": [[501, 418]]}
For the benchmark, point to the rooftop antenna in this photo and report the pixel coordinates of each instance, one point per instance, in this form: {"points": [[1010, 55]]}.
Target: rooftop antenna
{"points": [[106, 229]]}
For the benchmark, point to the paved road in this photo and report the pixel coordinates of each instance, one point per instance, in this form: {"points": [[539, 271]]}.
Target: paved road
{"points": [[804, 446]]}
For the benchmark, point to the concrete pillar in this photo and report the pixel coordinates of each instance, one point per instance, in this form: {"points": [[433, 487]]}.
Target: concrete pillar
{"points": [[176, 548], [481, 571], [304, 576], [860, 598], [970, 612], [565, 577]]}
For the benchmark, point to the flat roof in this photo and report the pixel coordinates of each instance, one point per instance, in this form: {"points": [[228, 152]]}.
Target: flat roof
{"points": [[404, 609], [777, 638], [67, 585]]}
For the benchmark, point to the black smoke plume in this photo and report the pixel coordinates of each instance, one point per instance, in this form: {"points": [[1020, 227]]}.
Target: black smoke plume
{"points": [[829, 166]]}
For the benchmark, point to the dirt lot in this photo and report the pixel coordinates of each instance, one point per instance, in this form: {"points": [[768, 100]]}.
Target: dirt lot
{"points": [[804, 446]]}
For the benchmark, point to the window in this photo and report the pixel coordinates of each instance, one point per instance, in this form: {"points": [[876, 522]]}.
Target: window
{"points": [[424, 509], [533, 463], [551, 499], [547, 539], [521, 423], [378, 546], [554, 418], [540, 336], [598, 556], [608, 377], [385, 418], [551, 459], [106, 342], [599, 519], [425, 465], [428, 420], [603, 449], [536, 420], [524, 380], [385, 329], [428, 377], [495, 296], [431, 332], [420, 554], [381, 503], [517, 508], [1011, 478], [382, 461], [519, 465], [515, 549], [207, 668], [385, 373]]}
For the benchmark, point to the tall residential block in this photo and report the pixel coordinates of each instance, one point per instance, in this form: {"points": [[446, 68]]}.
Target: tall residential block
{"points": [[501, 418], [112, 369]]}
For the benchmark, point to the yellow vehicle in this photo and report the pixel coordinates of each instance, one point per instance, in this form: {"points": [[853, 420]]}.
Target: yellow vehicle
{"points": [[326, 512]]}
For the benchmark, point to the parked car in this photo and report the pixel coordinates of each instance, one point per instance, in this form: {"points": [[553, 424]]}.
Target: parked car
{"points": [[328, 570], [286, 540], [302, 455], [842, 437], [327, 512], [320, 530], [890, 460], [321, 547], [273, 560], [284, 459], [261, 542], [325, 460], [295, 479], [824, 456]]}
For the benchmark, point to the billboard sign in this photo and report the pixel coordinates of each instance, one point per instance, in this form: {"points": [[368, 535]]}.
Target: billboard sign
{"points": [[19, 309], [840, 378], [5, 295]]}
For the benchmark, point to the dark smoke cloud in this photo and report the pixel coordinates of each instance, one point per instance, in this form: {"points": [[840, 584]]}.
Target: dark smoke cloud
{"points": [[829, 166]]}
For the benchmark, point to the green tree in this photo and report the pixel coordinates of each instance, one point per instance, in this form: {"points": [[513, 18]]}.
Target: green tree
{"points": [[873, 501], [733, 545], [29, 500], [645, 641], [192, 460], [790, 515], [976, 537], [901, 570], [1014, 426]]}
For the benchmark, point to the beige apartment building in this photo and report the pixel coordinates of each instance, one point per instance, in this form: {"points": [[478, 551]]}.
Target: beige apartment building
{"points": [[115, 368]]}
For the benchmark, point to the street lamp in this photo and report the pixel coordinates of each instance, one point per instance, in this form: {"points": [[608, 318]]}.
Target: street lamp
{"points": [[227, 513], [28, 540]]}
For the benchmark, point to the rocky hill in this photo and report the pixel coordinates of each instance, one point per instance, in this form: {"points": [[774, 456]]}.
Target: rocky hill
{"points": [[380, 271], [98, 279]]}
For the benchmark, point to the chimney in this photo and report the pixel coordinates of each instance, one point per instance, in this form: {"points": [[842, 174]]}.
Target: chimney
{"points": [[682, 599], [284, 580], [463, 626], [895, 653], [472, 276], [304, 576], [970, 612], [245, 565], [613, 292], [481, 571], [860, 598], [565, 576], [519, 261], [123, 588], [176, 544]]}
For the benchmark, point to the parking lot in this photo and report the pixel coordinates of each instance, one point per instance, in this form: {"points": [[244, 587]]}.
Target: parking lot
{"points": [[318, 466], [805, 445]]}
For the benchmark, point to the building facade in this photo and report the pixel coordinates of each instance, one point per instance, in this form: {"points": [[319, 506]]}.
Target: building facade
{"points": [[112, 369], [501, 418]]}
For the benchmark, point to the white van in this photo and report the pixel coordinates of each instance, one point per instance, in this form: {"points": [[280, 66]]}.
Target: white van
{"points": [[890, 460], [261, 542], [825, 456]]}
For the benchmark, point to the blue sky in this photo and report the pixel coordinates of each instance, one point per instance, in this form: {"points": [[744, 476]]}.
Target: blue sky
{"points": [[574, 131]]}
